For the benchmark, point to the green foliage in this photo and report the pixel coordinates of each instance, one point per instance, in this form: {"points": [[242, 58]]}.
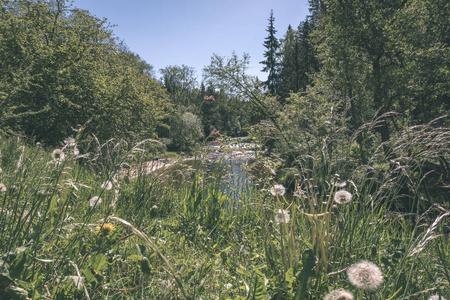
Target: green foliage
{"points": [[186, 131], [271, 64], [188, 239], [298, 60], [61, 68]]}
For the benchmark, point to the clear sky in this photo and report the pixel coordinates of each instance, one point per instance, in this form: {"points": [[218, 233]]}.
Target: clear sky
{"points": [[177, 32]]}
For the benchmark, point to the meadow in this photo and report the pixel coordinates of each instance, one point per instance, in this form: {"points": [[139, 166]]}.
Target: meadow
{"points": [[98, 226]]}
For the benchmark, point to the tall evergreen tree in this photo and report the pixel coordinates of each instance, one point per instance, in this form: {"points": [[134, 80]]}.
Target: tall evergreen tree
{"points": [[271, 64], [298, 60]]}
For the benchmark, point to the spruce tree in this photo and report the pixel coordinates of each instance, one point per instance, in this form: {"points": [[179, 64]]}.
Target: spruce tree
{"points": [[271, 63]]}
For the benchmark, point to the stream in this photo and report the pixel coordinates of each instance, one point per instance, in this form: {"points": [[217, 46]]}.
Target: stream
{"points": [[232, 157]]}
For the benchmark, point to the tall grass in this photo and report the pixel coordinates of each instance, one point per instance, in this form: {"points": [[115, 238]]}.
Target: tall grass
{"points": [[177, 233]]}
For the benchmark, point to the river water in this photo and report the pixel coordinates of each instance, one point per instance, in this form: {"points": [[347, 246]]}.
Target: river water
{"points": [[232, 158]]}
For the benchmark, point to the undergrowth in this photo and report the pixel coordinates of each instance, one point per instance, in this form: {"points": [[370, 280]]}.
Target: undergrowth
{"points": [[97, 225]]}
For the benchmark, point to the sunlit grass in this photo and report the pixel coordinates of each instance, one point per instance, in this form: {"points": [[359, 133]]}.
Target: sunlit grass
{"points": [[177, 233]]}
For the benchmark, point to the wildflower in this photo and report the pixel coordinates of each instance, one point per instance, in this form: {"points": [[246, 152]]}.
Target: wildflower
{"points": [[58, 155], [105, 229], [282, 216], [107, 185], [436, 297], [365, 275], [278, 190], [94, 201], [228, 286], [340, 294], [2, 187], [342, 197]]}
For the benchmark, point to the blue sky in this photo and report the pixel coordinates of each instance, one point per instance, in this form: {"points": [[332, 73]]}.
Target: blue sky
{"points": [[176, 32]]}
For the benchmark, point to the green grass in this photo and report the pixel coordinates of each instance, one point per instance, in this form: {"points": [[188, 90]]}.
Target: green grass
{"points": [[176, 235]]}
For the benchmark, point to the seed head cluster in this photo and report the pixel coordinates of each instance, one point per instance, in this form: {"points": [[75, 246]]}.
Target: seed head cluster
{"points": [[436, 297], [365, 275], [342, 197], [282, 216], [58, 155], [278, 190], [107, 185], [340, 294], [94, 201]]}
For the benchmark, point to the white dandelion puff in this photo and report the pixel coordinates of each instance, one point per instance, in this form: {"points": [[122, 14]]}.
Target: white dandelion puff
{"points": [[72, 145], [278, 190], [436, 297], [365, 275], [58, 155], [2, 187], [282, 216], [70, 142], [340, 294], [107, 185], [75, 151], [342, 197], [94, 201], [339, 184]]}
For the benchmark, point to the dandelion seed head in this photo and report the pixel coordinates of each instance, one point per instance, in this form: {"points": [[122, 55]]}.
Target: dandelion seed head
{"points": [[94, 201], [2, 187], [342, 197], [339, 184], [70, 142], [277, 190], [228, 286], [340, 294], [75, 151], [365, 275], [107, 185], [436, 297], [58, 155], [282, 216]]}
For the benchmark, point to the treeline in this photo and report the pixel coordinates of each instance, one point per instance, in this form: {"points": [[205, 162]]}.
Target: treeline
{"points": [[202, 110], [360, 65], [61, 69], [63, 73], [350, 63]]}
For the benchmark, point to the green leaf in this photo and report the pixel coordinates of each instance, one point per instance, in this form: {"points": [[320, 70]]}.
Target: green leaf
{"points": [[290, 278], [259, 291], [308, 261], [99, 262], [17, 266]]}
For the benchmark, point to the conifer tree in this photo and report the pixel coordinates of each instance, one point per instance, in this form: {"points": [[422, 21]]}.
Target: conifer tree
{"points": [[271, 63]]}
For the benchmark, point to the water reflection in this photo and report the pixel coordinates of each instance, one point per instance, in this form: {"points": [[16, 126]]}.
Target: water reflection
{"points": [[231, 160]]}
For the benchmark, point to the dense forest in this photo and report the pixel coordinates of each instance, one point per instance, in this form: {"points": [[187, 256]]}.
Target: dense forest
{"points": [[63, 69], [349, 138]]}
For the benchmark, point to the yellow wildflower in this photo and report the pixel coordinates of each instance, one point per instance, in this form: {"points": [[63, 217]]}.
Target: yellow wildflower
{"points": [[106, 229]]}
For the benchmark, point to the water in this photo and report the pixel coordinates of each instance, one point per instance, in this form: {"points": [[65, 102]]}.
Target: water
{"points": [[232, 159]]}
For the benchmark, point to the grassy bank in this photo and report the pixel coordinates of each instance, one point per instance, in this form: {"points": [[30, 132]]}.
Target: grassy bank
{"points": [[79, 226]]}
